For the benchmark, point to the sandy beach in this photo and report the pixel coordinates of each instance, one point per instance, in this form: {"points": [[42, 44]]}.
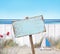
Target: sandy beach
{"points": [[26, 50]]}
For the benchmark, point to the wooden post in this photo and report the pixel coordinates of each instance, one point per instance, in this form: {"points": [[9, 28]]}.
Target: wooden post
{"points": [[31, 41]]}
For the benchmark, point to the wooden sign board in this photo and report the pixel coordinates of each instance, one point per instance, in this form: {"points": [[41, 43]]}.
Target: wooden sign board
{"points": [[29, 26]]}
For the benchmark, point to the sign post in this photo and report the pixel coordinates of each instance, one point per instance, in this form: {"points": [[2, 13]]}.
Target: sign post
{"points": [[32, 46], [31, 41]]}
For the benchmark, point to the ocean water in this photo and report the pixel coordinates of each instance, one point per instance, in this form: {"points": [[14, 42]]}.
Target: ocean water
{"points": [[46, 21]]}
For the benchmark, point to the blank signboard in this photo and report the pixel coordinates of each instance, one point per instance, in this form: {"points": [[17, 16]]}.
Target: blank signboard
{"points": [[29, 26]]}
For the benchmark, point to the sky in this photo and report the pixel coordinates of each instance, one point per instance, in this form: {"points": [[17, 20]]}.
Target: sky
{"points": [[19, 9]]}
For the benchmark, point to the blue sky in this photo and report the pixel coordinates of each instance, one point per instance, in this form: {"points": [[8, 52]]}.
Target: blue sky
{"points": [[12, 9]]}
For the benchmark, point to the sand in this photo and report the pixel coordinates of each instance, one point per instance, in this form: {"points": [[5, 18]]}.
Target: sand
{"points": [[26, 50]]}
